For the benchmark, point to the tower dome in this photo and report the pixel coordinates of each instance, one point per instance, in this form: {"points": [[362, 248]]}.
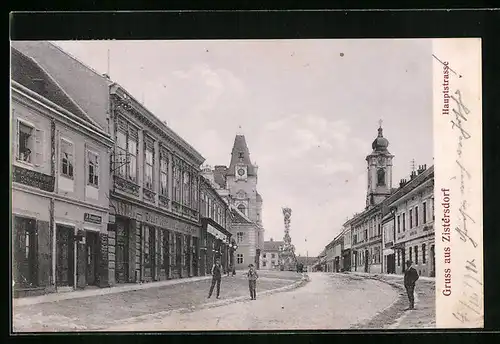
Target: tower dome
{"points": [[380, 144]]}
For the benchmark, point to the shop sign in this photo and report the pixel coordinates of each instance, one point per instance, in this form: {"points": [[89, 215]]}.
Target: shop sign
{"points": [[92, 218], [216, 233], [33, 178]]}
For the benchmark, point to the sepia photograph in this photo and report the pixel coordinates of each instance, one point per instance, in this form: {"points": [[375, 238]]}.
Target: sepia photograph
{"points": [[241, 185]]}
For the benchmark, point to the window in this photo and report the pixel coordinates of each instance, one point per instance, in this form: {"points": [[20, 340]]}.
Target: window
{"points": [[121, 153], [432, 201], [164, 175], [93, 168], [411, 218], [239, 258], [410, 255], [28, 139], [404, 222], [242, 208], [264, 255], [264, 264], [132, 158], [424, 208], [423, 253], [186, 189], [399, 224], [416, 216], [239, 237], [416, 254], [399, 258], [177, 181], [219, 215], [67, 158], [380, 177], [273, 255], [379, 229], [148, 171]]}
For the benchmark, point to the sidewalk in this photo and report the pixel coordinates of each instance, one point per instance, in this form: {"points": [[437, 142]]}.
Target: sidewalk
{"points": [[397, 316], [121, 288]]}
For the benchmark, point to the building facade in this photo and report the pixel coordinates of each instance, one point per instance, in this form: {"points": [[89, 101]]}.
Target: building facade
{"points": [[388, 240], [215, 239], [413, 208], [270, 255], [346, 250], [60, 175], [333, 253], [153, 197]]}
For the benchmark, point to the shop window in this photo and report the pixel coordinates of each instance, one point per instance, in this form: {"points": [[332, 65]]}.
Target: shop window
{"points": [[239, 258], [93, 168], [67, 158]]}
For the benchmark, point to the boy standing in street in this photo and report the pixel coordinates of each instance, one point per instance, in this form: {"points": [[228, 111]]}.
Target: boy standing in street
{"points": [[252, 281], [411, 276], [216, 277]]}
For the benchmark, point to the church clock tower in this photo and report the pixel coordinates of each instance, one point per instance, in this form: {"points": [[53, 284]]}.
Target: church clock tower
{"points": [[379, 170]]}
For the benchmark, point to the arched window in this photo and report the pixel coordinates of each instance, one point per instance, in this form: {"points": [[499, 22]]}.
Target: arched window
{"points": [[242, 208], [380, 177]]}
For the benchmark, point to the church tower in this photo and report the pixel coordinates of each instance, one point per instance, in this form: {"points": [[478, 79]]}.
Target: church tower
{"points": [[379, 170], [241, 179]]}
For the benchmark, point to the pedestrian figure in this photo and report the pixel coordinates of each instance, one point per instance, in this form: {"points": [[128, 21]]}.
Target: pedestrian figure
{"points": [[234, 270], [252, 281], [411, 276], [216, 277]]}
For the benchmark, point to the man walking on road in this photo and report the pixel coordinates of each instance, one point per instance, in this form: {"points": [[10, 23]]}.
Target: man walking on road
{"points": [[411, 276], [252, 281], [216, 277]]}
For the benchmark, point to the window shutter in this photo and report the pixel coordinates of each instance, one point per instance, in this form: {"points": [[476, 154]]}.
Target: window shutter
{"points": [[39, 147]]}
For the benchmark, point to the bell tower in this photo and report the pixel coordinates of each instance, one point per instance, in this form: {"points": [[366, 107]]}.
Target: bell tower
{"points": [[379, 170]]}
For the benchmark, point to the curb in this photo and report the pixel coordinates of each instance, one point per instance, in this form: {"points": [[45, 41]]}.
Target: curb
{"points": [[160, 315]]}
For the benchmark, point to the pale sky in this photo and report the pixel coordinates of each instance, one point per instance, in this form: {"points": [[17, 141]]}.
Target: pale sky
{"points": [[309, 110]]}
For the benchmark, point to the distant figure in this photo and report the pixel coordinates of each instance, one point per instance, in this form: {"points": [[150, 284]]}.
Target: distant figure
{"points": [[411, 276], [252, 281], [216, 277]]}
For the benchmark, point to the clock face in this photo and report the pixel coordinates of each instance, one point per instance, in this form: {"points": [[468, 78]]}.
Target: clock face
{"points": [[241, 171]]}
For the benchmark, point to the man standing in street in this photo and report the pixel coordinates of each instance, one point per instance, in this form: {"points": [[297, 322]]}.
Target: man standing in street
{"points": [[411, 276], [252, 281], [216, 277]]}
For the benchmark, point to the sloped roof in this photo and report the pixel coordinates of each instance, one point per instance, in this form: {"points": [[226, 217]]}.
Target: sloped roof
{"points": [[28, 73], [412, 184], [240, 148], [272, 245], [238, 217], [220, 175]]}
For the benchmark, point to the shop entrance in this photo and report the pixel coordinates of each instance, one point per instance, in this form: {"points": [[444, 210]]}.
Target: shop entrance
{"points": [[178, 254], [391, 263], [195, 256], [366, 260], [65, 253], [92, 251], [150, 253], [25, 252], [122, 254], [188, 255]]}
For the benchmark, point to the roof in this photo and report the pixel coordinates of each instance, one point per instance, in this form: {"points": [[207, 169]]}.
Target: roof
{"points": [[273, 245], [28, 73], [87, 88], [238, 217], [258, 197], [240, 149], [220, 175], [412, 184]]}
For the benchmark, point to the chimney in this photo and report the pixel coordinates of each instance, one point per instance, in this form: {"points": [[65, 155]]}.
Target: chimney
{"points": [[106, 76], [413, 175]]}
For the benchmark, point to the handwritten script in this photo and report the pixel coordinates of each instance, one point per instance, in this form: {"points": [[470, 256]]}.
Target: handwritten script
{"points": [[471, 301]]}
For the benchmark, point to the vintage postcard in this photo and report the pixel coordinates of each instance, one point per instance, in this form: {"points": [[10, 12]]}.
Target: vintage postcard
{"points": [[243, 185]]}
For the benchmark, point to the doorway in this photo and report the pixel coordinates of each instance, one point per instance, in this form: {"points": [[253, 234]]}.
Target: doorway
{"points": [[65, 253], [25, 252], [188, 255], [433, 262], [403, 256], [92, 254], [178, 254], [166, 252], [122, 254], [366, 260]]}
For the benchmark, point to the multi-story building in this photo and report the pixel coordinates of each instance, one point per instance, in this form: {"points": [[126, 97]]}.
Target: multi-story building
{"points": [[346, 249], [333, 253], [413, 209], [238, 185], [215, 238], [60, 177], [388, 240], [270, 255], [367, 225], [153, 195]]}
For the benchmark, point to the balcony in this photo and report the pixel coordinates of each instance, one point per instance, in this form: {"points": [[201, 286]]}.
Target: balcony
{"points": [[163, 201], [149, 196], [125, 185]]}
